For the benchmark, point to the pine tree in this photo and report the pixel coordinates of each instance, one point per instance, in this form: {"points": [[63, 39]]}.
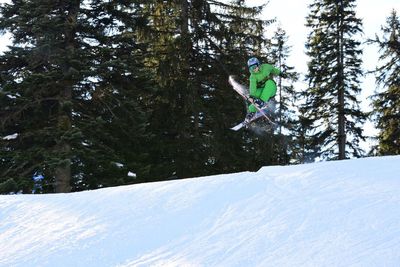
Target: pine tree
{"points": [[286, 95], [92, 90], [386, 103], [69, 84], [243, 37], [194, 52], [302, 150], [166, 60], [333, 76], [37, 89]]}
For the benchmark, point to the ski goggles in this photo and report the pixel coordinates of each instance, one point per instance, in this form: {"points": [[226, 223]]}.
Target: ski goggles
{"points": [[253, 67]]}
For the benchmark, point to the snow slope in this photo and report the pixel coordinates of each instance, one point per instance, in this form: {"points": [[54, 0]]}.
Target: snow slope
{"points": [[344, 213]]}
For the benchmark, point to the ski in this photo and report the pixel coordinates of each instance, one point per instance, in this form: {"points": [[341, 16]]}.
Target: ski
{"points": [[242, 91], [245, 123]]}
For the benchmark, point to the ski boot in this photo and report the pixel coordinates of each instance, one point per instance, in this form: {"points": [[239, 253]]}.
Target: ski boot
{"points": [[249, 116], [259, 103]]}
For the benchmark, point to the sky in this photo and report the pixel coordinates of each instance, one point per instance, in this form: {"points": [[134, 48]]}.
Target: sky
{"points": [[291, 14], [336, 213]]}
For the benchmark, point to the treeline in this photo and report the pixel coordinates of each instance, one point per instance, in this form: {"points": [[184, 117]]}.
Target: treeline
{"points": [[104, 93]]}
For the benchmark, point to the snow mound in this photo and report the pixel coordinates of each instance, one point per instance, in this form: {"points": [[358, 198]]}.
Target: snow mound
{"points": [[342, 213]]}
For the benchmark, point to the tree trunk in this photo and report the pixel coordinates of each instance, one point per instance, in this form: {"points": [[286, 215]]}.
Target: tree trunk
{"points": [[341, 113], [63, 148], [63, 173]]}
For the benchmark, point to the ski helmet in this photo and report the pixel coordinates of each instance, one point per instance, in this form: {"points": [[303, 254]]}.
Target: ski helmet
{"points": [[253, 61]]}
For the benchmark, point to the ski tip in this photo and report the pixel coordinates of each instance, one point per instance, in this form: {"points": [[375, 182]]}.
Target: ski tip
{"points": [[230, 79], [237, 127]]}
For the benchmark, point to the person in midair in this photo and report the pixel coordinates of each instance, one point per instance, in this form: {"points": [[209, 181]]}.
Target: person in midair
{"points": [[262, 87]]}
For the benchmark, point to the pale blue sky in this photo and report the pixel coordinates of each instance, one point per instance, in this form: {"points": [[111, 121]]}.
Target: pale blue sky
{"points": [[290, 15]]}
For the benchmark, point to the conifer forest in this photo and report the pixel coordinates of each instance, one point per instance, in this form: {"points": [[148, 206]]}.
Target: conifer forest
{"points": [[104, 93]]}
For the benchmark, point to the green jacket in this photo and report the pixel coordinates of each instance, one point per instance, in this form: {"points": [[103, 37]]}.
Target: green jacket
{"points": [[258, 79]]}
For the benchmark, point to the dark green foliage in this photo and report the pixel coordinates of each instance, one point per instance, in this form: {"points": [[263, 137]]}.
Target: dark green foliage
{"points": [[69, 84], [9, 186], [386, 103], [287, 96], [99, 89], [195, 49], [334, 70], [302, 148]]}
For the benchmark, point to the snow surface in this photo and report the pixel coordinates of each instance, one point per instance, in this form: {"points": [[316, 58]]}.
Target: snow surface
{"points": [[343, 213]]}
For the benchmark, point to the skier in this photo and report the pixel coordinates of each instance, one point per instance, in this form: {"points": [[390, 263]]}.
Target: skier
{"points": [[262, 87]]}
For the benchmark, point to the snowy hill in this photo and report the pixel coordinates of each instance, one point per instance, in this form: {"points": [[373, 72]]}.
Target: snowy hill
{"points": [[344, 213]]}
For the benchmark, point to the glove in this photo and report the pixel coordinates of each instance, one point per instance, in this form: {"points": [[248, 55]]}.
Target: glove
{"points": [[252, 99], [257, 101]]}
